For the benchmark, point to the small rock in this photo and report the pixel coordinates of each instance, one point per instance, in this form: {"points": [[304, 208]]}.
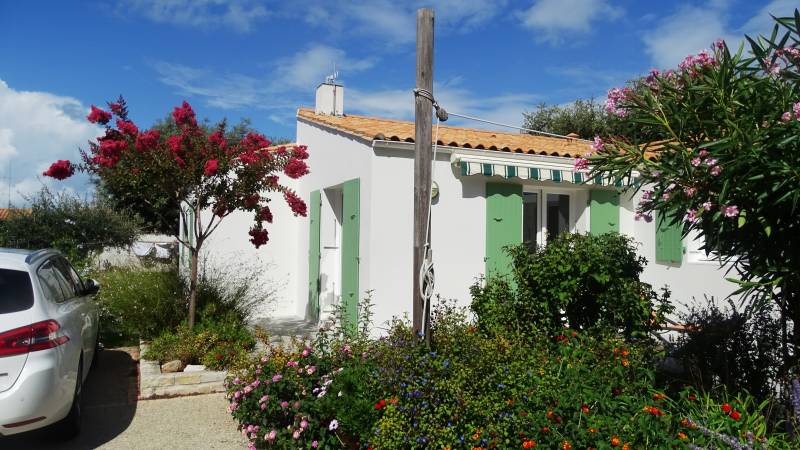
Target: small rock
{"points": [[194, 368], [172, 366]]}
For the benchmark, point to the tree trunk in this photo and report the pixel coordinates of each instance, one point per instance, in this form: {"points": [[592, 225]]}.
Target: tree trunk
{"points": [[193, 286]]}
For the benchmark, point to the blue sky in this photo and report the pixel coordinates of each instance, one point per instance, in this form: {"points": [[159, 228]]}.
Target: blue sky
{"points": [[263, 59]]}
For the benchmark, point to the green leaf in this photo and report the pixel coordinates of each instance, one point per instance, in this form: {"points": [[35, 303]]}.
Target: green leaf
{"points": [[742, 221]]}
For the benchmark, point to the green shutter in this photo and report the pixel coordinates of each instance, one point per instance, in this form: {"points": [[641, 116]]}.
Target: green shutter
{"points": [[350, 243], [313, 256], [669, 245], [603, 211], [503, 225]]}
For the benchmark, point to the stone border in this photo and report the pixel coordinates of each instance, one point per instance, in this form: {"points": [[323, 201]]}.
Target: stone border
{"points": [[154, 384]]}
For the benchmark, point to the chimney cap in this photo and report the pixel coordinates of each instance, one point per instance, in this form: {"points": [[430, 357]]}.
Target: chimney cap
{"points": [[573, 135]]}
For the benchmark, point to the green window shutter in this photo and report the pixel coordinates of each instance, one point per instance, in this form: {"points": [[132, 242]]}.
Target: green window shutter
{"points": [[313, 255], [351, 196], [503, 225], [603, 211], [669, 242]]}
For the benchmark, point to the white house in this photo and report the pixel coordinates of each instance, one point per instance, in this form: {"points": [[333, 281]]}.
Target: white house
{"points": [[494, 189]]}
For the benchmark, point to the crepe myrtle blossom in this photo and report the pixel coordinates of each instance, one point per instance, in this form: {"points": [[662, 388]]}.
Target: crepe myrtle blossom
{"points": [[60, 170], [97, 115]]}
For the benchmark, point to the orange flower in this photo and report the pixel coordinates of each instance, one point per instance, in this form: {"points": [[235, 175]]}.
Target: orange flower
{"points": [[659, 396], [692, 397], [625, 352], [592, 430], [625, 362], [528, 444], [585, 408], [615, 441], [682, 436], [550, 414], [545, 429], [626, 446], [685, 422], [566, 446], [653, 410]]}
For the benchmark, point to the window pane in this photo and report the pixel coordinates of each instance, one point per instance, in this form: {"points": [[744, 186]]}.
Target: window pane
{"points": [[16, 292], [49, 281], [530, 218], [70, 277], [557, 214]]}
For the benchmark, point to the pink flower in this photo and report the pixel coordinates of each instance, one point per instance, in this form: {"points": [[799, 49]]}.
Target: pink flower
{"points": [[786, 117], [60, 170], [296, 204], [266, 215], [247, 390], [296, 434], [304, 423], [707, 206], [97, 115], [292, 364], [295, 168], [689, 191], [263, 406], [237, 395], [217, 139], [271, 436], [597, 145], [730, 211], [174, 143], [305, 352], [716, 170], [311, 370], [691, 216], [284, 404], [615, 96], [696, 162], [580, 165], [710, 161], [796, 110], [259, 237], [665, 195], [147, 140], [127, 127], [184, 115], [277, 378], [211, 167], [719, 43], [300, 152], [647, 195], [314, 444], [263, 399], [264, 359], [702, 153]]}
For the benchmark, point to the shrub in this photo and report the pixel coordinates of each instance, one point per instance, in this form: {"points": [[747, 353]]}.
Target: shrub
{"points": [[570, 389], [583, 281], [138, 303]]}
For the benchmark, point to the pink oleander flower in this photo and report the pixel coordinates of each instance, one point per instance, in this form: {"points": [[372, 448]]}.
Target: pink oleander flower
{"points": [[691, 216], [665, 195], [708, 206], [786, 117], [263, 406], [615, 96], [710, 162], [580, 165], [296, 405], [719, 43], [696, 162], [597, 145], [247, 390], [647, 195], [716, 170], [690, 191], [730, 211]]}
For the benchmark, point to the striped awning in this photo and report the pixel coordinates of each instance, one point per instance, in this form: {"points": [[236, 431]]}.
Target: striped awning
{"points": [[528, 171]]}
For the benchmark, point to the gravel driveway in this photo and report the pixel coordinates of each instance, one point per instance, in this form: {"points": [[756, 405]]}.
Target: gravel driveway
{"points": [[114, 420]]}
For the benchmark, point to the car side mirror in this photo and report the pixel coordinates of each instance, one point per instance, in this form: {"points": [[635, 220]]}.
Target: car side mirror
{"points": [[90, 286]]}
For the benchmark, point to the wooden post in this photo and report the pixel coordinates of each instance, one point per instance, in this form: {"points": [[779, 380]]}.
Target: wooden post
{"points": [[423, 119]]}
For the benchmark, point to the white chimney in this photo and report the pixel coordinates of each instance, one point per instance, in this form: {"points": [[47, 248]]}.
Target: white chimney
{"points": [[330, 99]]}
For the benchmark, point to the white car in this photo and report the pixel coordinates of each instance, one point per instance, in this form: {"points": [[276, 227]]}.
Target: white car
{"points": [[48, 341]]}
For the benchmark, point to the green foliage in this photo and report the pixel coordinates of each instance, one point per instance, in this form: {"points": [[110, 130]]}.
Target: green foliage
{"points": [[587, 119], [77, 228], [737, 350], [475, 390], [218, 342], [583, 281], [138, 303], [728, 166]]}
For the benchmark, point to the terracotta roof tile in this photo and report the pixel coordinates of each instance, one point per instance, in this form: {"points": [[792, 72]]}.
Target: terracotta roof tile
{"points": [[6, 212], [373, 128]]}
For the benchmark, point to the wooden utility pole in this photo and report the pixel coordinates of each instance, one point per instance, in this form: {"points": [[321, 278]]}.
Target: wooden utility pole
{"points": [[423, 119]]}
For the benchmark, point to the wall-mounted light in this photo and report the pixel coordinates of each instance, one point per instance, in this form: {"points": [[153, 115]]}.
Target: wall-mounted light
{"points": [[434, 190]]}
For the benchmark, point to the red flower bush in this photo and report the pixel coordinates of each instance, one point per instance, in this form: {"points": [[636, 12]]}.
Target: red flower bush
{"points": [[60, 170], [175, 168]]}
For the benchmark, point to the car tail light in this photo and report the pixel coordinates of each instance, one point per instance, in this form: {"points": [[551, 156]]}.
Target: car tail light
{"points": [[31, 338]]}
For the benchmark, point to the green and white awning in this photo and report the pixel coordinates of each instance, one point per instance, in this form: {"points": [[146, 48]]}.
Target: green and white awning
{"points": [[531, 171]]}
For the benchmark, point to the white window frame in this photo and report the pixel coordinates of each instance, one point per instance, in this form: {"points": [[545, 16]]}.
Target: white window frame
{"points": [[541, 215]]}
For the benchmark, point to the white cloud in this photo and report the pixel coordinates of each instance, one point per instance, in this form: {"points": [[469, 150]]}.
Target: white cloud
{"points": [[694, 27], [239, 15], [557, 19], [37, 128], [393, 21], [307, 68], [399, 104]]}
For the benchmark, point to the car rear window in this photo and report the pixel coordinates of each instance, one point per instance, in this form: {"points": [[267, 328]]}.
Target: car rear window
{"points": [[16, 292]]}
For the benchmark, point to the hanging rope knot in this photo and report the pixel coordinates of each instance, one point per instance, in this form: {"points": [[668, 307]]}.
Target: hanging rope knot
{"points": [[441, 113], [427, 277]]}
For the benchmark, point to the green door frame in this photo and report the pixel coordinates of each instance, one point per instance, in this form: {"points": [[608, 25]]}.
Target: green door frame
{"points": [[315, 204], [351, 219]]}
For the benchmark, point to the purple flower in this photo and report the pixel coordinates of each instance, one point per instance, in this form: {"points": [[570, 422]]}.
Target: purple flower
{"points": [[710, 162], [292, 364], [730, 211], [647, 195]]}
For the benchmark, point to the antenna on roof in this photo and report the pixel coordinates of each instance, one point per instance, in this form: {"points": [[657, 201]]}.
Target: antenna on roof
{"points": [[332, 78]]}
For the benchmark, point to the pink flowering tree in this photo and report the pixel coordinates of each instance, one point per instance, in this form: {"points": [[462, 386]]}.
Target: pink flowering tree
{"points": [[730, 165], [192, 170]]}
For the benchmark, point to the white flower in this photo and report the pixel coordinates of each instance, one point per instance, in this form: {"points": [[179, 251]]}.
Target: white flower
{"points": [[339, 394], [334, 425]]}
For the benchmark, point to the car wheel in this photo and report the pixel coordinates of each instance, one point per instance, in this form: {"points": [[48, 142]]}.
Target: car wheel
{"points": [[70, 426]]}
